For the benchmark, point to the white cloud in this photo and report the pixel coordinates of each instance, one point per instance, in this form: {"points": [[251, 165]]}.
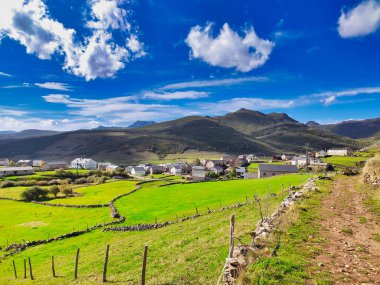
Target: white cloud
{"points": [[249, 103], [29, 23], [108, 15], [215, 82], [228, 49], [167, 96], [12, 112], [362, 20], [330, 97], [54, 86], [24, 85], [5, 74], [9, 123]]}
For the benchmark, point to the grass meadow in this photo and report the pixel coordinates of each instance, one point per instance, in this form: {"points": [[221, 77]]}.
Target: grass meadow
{"points": [[191, 252], [164, 203]]}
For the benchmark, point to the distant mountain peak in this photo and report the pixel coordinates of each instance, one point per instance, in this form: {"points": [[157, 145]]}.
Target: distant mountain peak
{"points": [[139, 124], [312, 124]]}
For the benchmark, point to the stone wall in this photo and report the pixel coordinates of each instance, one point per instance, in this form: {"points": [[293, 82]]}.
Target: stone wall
{"points": [[240, 259]]}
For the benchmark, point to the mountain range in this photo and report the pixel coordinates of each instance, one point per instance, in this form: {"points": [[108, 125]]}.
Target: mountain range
{"points": [[243, 131]]}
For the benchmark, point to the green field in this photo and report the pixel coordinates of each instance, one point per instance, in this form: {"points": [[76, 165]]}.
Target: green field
{"points": [[164, 203], [27, 221], [344, 160], [39, 175], [98, 194], [192, 252]]}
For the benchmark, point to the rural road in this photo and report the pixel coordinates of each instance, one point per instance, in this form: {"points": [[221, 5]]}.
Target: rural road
{"points": [[351, 253]]}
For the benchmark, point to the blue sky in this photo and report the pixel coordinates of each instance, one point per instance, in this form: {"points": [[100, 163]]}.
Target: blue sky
{"points": [[69, 64]]}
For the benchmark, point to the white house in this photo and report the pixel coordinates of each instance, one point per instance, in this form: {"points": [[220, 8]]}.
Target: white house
{"points": [[269, 170], [198, 173], [53, 165], [25, 162], [240, 171], [217, 169], [84, 163], [138, 171], [176, 170], [339, 152], [16, 171], [111, 167], [251, 157], [4, 161], [300, 160], [321, 153], [287, 156], [38, 163]]}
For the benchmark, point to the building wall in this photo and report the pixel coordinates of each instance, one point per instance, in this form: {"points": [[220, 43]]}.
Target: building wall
{"points": [[337, 152]]}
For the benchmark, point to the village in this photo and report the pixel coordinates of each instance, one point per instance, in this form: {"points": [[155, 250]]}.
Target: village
{"points": [[244, 166]]}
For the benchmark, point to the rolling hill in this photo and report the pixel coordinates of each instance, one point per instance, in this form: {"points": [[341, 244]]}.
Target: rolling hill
{"points": [[243, 131], [355, 129], [26, 134]]}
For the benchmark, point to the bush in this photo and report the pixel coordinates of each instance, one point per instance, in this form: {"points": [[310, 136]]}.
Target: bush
{"points": [[81, 180], [7, 183], [66, 190], [101, 180], [34, 194], [54, 190]]}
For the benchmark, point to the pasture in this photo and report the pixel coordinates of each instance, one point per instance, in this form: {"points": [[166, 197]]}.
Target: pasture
{"points": [[164, 203], [344, 160], [192, 252], [28, 221], [97, 194]]}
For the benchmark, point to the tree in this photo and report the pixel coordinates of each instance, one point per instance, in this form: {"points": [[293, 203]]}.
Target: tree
{"points": [[197, 162], [34, 194], [54, 190], [232, 173]]}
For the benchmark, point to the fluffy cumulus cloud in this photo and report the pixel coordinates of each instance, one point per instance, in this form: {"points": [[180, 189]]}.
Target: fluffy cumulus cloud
{"points": [[229, 49], [98, 55], [362, 20]]}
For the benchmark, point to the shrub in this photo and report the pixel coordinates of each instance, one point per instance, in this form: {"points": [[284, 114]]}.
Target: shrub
{"points": [[34, 194], [54, 190], [101, 180], [81, 180], [7, 183], [66, 190]]}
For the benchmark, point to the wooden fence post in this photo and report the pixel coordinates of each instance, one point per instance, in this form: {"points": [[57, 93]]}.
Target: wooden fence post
{"points": [[143, 271], [52, 265], [30, 269], [232, 229], [76, 264], [246, 199], [196, 210], [24, 268], [14, 268], [106, 263]]}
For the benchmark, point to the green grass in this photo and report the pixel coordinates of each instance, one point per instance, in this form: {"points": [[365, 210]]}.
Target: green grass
{"points": [[12, 192], [253, 167], [192, 252], [40, 175], [27, 221], [344, 160], [300, 244], [164, 203], [98, 194]]}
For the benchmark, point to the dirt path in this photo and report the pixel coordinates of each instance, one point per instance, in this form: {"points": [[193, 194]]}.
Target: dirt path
{"points": [[351, 254]]}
